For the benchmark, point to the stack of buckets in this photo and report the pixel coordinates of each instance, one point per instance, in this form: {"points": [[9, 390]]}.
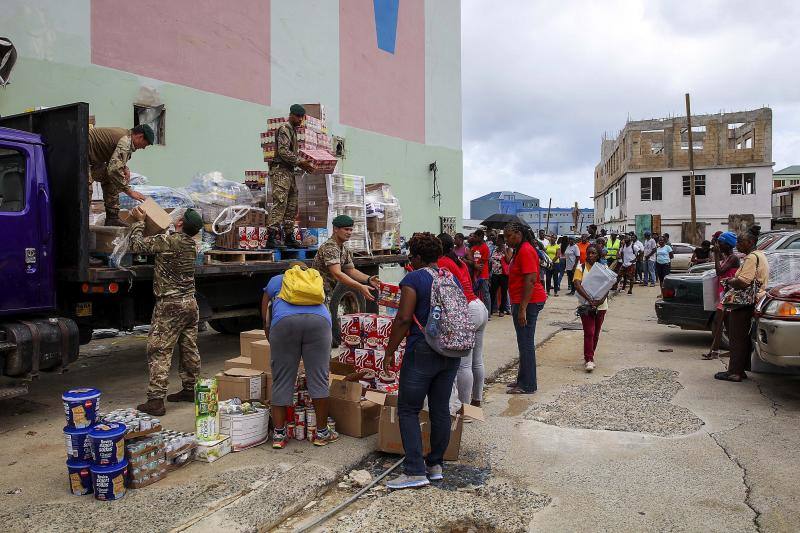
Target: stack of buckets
{"points": [[95, 452]]}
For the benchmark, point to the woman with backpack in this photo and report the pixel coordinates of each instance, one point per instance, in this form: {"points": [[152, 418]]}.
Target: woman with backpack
{"points": [[527, 300], [425, 372], [298, 326], [470, 377]]}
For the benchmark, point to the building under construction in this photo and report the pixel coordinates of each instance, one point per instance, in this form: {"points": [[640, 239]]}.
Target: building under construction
{"points": [[643, 183]]}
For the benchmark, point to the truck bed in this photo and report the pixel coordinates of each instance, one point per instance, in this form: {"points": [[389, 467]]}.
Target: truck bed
{"points": [[99, 274]]}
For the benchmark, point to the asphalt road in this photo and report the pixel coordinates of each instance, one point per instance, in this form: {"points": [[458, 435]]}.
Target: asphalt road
{"points": [[649, 441]]}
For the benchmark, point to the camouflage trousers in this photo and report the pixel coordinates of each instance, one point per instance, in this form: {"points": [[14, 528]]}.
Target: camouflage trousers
{"points": [[284, 199], [174, 321], [111, 191]]}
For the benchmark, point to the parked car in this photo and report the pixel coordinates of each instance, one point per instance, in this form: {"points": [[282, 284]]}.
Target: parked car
{"points": [[682, 301], [777, 326], [770, 240], [682, 255]]}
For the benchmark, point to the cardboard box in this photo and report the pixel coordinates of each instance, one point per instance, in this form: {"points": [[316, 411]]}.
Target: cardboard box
{"points": [[246, 337], [354, 416], [101, 238], [260, 356], [389, 439], [243, 383], [156, 219], [321, 160], [210, 451], [237, 362], [247, 430]]}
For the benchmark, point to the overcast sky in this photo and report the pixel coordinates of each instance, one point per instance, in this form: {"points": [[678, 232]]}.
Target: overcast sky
{"points": [[543, 80]]}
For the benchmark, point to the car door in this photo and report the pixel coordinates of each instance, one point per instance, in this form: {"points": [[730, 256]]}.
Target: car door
{"points": [[25, 266]]}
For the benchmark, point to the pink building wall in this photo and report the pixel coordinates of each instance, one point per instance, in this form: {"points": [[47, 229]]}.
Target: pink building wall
{"points": [[220, 47], [381, 91]]}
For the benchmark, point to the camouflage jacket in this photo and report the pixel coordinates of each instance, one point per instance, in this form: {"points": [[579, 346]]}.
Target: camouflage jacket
{"points": [[287, 154], [112, 155], [331, 253], [175, 256]]}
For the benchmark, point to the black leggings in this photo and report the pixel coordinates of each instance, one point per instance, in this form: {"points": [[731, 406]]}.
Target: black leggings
{"points": [[499, 281], [662, 270]]}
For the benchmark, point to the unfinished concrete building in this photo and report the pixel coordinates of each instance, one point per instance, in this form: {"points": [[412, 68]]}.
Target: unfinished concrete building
{"points": [[642, 180]]}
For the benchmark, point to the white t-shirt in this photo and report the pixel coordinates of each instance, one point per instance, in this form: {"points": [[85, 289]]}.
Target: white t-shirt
{"points": [[649, 246], [638, 247], [628, 255]]}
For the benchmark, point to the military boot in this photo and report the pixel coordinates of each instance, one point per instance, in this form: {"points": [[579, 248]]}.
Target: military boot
{"points": [[272, 239], [153, 407], [112, 219], [290, 241], [186, 395]]}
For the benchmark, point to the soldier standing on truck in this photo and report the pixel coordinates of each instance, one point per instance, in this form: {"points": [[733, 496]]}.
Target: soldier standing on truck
{"points": [[175, 315], [282, 179], [109, 152], [334, 261]]}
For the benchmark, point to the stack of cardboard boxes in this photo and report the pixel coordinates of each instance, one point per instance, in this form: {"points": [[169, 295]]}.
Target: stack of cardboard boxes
{"points": [[248, 376], [348, 198], [383, 217]]}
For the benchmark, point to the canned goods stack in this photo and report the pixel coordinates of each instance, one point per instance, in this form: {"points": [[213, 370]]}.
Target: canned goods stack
{"points": [[179, 447], [147, 460], [301, 416], [138, 424]]}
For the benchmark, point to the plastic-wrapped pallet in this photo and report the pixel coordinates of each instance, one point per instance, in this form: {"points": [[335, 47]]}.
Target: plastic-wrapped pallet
{"points": [[349, 196], [166, 197], [212, 193], [383, 216]]}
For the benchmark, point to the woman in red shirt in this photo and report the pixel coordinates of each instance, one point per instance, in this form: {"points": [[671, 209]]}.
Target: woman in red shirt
{"points": [[471, 374], [527, 300]]}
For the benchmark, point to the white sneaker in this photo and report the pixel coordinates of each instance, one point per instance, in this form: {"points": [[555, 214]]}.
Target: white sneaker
{"points": [[589, 366], [435, 472], [408, 482]]}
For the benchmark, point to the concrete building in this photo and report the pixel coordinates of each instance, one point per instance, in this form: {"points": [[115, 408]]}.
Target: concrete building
{"points": [[642, 180], [561, 221], [214, 72], [787, 176], [502, 202]]}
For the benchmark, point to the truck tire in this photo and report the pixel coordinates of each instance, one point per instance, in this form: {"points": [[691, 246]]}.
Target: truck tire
{"points": [[344, 301], [236, 324]]}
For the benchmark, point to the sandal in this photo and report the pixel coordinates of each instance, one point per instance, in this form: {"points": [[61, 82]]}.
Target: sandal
{"points": [[713, 354], [517, 390], [724, 376]]}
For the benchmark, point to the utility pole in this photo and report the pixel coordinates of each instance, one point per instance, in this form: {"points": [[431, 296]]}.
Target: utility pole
{"points": [[549, 204], [693, 223]]}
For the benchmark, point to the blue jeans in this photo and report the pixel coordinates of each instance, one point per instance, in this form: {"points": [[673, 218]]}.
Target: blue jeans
{"points": [[482, 292], [526, 376], [425, 373], [650, 271]]}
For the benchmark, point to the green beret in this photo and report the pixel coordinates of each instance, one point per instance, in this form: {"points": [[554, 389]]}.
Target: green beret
{"points": [[147, 131], [343, 221], [192, 222], [297, 110]]}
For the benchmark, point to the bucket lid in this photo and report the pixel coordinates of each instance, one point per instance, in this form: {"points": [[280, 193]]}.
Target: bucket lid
{"points": [[80, 394], [108, 430], [78, 463], [109, 469], [77, 431]]}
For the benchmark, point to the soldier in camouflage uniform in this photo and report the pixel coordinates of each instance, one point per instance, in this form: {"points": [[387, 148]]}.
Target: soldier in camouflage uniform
{"points": [[175, 315], [282, 179], [109, 152]]}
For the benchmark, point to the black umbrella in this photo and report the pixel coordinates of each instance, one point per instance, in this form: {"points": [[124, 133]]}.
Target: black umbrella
{"points": [[500, 221]]}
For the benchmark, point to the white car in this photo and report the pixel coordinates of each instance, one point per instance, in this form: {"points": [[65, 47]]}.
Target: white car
{"points": [[683, 254]]}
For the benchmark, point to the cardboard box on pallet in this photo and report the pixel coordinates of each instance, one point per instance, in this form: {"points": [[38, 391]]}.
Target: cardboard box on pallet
{"points": [[389, 439], [245, 233], [354, 415], [247, 337]]}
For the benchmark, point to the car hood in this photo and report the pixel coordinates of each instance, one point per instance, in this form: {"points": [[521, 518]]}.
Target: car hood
{"points": [[789, 291]]}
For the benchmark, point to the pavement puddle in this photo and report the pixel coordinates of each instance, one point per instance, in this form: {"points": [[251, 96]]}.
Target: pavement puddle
{"points": [[517, 404]]}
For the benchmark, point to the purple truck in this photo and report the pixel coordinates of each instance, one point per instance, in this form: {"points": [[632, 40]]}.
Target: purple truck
{"points": [[51, 299]]}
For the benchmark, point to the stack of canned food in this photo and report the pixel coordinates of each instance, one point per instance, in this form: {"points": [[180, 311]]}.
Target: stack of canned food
{"points": [[135, 421], [301, 415]]}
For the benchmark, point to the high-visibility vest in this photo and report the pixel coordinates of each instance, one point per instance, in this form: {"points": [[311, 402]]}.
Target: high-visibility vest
{"points": [[613, 249]]}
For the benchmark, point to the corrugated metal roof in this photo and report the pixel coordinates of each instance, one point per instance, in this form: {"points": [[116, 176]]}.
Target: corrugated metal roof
{"points": [[793, 170]]}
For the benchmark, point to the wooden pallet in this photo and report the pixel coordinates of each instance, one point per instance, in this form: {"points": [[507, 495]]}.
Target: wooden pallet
{"points": [[219, 257]]}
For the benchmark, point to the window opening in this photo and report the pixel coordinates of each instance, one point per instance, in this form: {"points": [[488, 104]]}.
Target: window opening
{"points": [[153, 116], [699, 185], [743, 183]]}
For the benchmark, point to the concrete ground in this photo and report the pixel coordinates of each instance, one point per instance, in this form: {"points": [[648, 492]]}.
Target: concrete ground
{"points": [[673, 450]]}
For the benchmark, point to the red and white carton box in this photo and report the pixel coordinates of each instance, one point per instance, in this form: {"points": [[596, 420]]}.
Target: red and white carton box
{"points": [[262, 237], [350, 329], [243, 244], [379, 356], [369, 331], [252, 237], [389, 295], [384, 327], [347, 355], [365, 359]]}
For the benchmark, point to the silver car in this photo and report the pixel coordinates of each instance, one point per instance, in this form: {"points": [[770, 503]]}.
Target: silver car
{"points": [[777, 326]]}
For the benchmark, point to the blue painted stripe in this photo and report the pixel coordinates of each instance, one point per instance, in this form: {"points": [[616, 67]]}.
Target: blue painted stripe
{"points": [[386, 23]]}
